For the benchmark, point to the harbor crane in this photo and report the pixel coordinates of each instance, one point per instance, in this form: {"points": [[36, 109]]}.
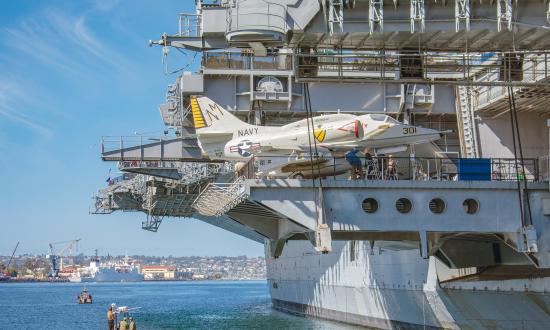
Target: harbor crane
{"points": [[54, 257], [9, 262]]}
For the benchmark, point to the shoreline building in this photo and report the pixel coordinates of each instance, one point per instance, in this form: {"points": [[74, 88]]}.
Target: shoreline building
{"points": [[158, 272], [454, 234]]}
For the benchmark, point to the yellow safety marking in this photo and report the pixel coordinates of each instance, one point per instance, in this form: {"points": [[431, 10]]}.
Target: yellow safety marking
{"points": [[320, 134], [198, 119]]}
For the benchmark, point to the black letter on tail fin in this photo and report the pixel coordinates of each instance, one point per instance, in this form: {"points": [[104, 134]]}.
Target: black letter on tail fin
{"points": [[212, 112]]}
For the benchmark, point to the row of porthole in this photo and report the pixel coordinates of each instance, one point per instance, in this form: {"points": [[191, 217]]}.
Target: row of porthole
{"points": [[436, 205]]}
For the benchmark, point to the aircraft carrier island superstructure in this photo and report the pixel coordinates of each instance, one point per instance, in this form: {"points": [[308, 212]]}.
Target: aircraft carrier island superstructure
{"points": [[415, 193]]}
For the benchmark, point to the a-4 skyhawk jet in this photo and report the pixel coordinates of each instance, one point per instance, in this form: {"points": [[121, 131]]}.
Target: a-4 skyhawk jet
{"points": [[223, 136]]}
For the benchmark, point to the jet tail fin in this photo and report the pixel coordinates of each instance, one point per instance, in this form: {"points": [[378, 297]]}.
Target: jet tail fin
{"points": [[210, 117]]}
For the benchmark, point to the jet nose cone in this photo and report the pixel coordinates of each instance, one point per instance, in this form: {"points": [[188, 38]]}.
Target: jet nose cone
{"points": [[424, 135]]}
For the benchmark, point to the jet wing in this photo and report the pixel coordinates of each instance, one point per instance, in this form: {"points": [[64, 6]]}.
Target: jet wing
{"points": [[302, 165], [278, 149], [335, 147]]}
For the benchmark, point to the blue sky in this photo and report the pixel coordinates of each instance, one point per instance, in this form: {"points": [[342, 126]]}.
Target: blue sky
{"points": [[70, 72]]}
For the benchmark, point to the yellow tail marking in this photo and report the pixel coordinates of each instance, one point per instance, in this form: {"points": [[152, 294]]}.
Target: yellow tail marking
{"points": [[198, 119], [320, 134]]}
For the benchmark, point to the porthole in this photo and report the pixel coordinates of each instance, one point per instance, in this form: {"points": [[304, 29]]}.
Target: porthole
{"points": [[275, 285], [370, 205], [437, 205], [471, 206], [403, 205]]}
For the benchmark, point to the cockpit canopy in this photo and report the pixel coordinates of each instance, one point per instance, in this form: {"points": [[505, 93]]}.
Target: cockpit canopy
{"points": [[383, 118]]}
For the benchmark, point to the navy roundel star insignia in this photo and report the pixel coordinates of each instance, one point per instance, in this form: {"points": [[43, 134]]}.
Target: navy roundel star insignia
{"points": [[245, 148]]}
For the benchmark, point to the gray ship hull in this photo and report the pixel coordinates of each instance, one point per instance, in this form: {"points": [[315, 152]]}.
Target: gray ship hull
{"points": [[110, 276], [114, 276], [398, 289]]}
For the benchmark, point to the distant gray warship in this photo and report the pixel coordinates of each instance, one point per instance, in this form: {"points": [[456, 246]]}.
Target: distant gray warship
{"points": [[107, 272]]}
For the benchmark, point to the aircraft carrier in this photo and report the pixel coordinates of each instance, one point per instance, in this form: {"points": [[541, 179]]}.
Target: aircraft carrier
{"points": [[456, 235]]}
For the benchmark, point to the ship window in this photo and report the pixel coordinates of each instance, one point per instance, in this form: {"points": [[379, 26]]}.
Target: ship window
{"points": [[437, 205], [403, 205], [471, 206], [370, 205]]}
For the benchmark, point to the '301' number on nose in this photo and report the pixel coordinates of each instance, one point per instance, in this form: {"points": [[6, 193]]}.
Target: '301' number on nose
{"points": [[409, 130]]}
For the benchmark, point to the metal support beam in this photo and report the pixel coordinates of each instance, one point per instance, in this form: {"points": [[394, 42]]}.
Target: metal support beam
{"points": [[504, 14], [376, 16], [335, 15], [418, 15], [152, 223], [462, 14]]}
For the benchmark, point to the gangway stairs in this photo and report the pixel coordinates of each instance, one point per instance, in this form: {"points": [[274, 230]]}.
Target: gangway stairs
{"points": [[465, 115], [218, 198], [180, 204]]}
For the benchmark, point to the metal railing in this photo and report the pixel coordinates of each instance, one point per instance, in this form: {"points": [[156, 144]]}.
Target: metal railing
{"points": [[463, 68], [534, 69], [148, 164], [194, 172], [121, 178], [218, 198], [131, 183], [191, 172], [189, 25], [214, 3], [112, 143], [399, 168], [241, 61]]}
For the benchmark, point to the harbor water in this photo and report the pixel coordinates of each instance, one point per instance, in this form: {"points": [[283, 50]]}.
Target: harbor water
{"points": [[164, 305]]}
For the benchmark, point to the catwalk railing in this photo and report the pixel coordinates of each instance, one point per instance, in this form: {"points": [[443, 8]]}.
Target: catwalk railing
{"points": [[112, 143], [522, 69], [148, 164], [401, 168], [534, 68], [242, 61], [489, 70], [145, 148], [190, 171], [189, 25]]}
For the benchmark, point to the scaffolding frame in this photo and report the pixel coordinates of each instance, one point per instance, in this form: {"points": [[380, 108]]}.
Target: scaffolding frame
{"points": [[504, 14], [335, 15], [376, 16], [462, 14], [418, 16]]}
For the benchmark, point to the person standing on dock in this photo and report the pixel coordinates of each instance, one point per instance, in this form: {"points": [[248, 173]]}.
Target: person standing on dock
{"points": [[123, 325], [132, 324], [111, 318]]}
